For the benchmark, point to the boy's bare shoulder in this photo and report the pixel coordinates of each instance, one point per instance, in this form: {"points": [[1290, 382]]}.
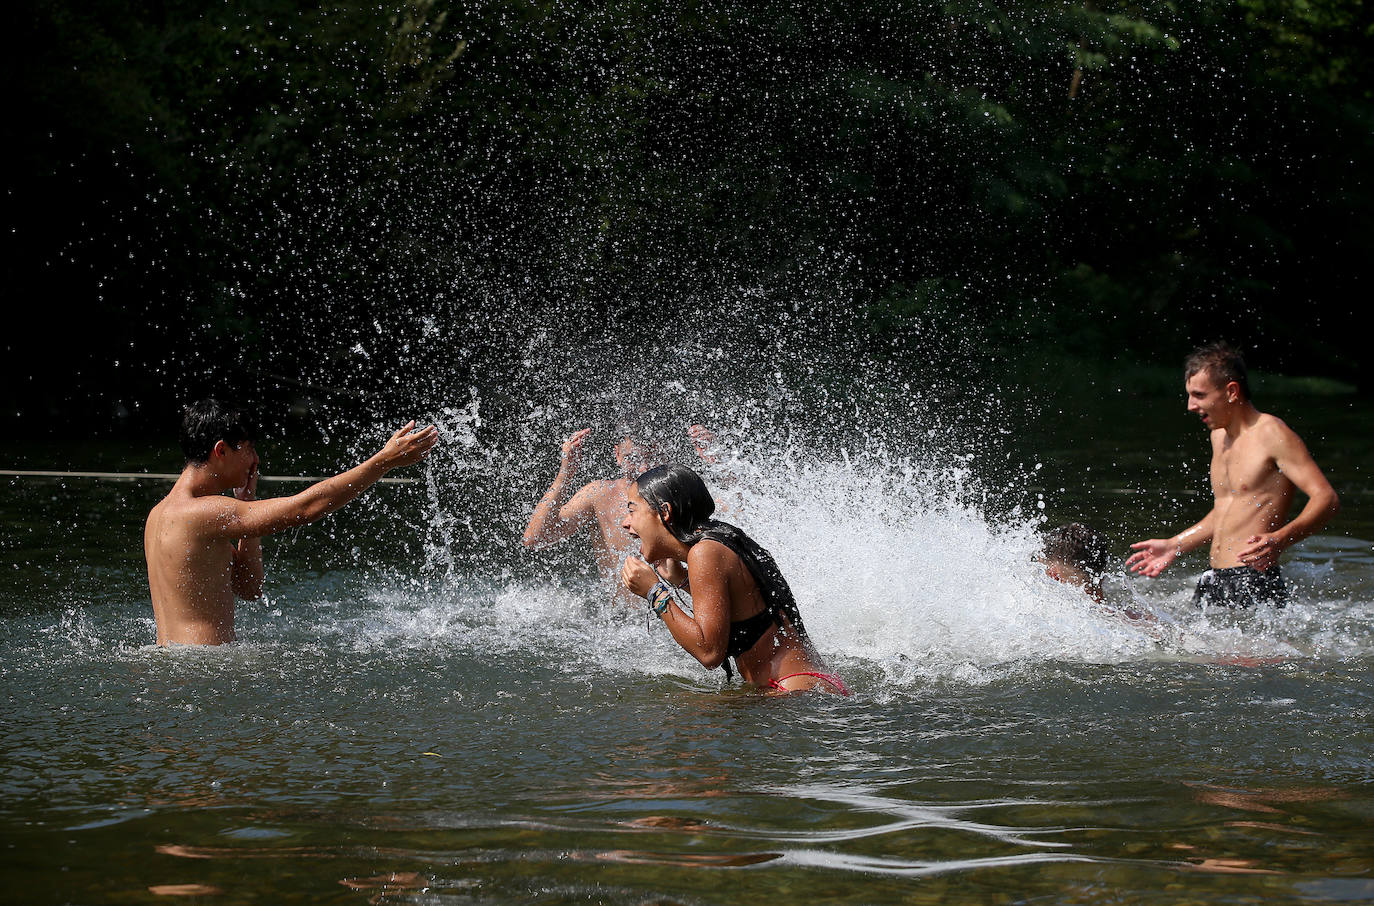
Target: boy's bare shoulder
{"points": [[196, 512], [1273, 431], [603, 489]]}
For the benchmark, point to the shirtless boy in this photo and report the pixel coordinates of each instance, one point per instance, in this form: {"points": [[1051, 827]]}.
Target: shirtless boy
{"points": [[1258, 463], [557, 516], [202, 546]]}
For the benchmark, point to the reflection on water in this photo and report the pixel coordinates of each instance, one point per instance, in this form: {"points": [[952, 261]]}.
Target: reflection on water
{"points": [[680, 860], [184, 890], [1264, 800], [909, 840]]}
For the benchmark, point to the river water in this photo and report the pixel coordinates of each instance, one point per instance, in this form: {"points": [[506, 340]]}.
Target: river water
{"points": [[422, 712]]}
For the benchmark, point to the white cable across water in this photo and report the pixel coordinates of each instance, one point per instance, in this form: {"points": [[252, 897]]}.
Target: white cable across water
{"points": [[169, 476]]}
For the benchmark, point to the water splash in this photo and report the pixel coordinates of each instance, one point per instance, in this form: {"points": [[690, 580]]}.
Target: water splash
{"points": [[913, 558]]}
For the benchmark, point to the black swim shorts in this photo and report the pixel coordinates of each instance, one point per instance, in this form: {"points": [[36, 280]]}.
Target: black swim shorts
{"points": [[1241, 586]]}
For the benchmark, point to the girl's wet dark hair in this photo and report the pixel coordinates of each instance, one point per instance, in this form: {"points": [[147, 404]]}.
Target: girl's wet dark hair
{"points": [[206, 421], [682, 490]]}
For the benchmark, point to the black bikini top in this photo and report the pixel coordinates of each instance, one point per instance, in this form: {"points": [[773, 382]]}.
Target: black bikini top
{"points": [[745, 634], [778, 602]]}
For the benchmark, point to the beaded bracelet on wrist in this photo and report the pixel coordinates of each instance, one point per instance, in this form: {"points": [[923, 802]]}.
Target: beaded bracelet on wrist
{"points": [[660, 596]]}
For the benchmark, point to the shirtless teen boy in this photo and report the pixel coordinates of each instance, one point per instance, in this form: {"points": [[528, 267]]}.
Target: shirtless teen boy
{"points": [[1258, 464], [202, 546]]}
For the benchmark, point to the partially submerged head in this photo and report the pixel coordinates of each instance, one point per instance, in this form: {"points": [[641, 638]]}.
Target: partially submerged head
{"points": [[1077, 554], [209, 422], [668, 501]]}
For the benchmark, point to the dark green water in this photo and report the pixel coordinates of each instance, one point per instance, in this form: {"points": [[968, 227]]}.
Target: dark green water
{"points": [[415, 716]]}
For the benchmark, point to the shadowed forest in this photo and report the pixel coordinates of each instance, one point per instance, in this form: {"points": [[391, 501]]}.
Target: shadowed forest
{"points": [[294, 200]]}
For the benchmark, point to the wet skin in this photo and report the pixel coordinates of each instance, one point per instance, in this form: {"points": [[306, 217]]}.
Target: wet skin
{"points": [[722, 591], [202, 547], [1258, 466], [195, 575], [600, 503]]}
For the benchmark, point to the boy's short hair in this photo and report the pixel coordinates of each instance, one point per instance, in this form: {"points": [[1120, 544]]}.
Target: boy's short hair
{"points": [[1079, 546], [638, 427], [206, 421], [1222, 361]]}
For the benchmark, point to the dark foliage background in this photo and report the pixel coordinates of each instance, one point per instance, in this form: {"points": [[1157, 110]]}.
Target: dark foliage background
{"points": [[310, 202]]}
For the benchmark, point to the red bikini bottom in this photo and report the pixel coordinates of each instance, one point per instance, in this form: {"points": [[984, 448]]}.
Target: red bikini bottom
{"points": [[832, 679]]}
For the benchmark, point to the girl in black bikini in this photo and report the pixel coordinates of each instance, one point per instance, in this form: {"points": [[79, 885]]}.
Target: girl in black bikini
{"points": [[741, 605]]}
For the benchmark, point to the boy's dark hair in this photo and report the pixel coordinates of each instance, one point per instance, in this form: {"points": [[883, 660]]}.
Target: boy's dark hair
{"points": [[1222, 361], [1079, 546], [206, 421]]}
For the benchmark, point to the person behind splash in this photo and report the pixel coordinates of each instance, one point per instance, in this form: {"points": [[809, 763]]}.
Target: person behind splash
{"points": [[202, 546], [1258, 463], [1078, 555], [742, 607], [601, 502]]}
